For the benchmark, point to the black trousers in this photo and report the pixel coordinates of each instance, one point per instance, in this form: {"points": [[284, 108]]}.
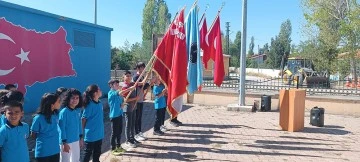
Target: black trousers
{"points": [[116, 125], [138, 116], [94, 149], [159, 118], [129, 125], [51, 158]]}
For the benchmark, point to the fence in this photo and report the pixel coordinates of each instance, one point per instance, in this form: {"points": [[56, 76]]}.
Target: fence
{"points": [[341, 87], [275, 84]]}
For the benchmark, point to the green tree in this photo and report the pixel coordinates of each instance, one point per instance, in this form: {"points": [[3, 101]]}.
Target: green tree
{"points": [[264, 49], [280, 46], [251, 46], [235, 48], [336, 26], [149, 19], [156, 18], [163, 17]]}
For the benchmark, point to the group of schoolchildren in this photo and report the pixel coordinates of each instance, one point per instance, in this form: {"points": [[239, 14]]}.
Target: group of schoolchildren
{"points": [[67, 120]]}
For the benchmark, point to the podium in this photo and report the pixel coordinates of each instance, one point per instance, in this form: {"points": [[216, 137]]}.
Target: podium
{"points": [[292, 109]]}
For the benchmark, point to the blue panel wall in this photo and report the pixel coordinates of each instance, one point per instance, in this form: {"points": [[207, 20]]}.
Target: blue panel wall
{"points": [[90, 60]]}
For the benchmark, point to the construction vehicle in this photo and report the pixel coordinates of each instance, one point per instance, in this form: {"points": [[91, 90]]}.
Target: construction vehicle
{"points": [[301, 71]]}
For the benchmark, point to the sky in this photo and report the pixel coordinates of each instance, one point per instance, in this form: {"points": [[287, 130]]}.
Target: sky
{"points": [[264, 17]]}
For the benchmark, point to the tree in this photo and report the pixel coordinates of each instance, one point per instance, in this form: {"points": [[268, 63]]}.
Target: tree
{"points": [[280, 46], [235, 48], [336, 24], [156, 18], [264, 49], [251, 46], [149, 19]]}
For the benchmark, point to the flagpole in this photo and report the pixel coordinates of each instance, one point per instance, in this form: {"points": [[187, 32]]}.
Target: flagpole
{"points": [[151, 62], [95, 16], [243, 56], [223, 4], [203, 15]]}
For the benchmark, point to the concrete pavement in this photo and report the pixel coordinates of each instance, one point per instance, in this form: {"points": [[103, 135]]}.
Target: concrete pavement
{"points": [[211, 133]]}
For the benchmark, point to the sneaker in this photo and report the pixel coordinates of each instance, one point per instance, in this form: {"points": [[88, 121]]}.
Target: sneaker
{"points": [[115, 152], [136, 142], [129, 145], [174, 124], [120, 149], [142, 135], [178, 122], [163, 128], [158, 133], [138, 137]]}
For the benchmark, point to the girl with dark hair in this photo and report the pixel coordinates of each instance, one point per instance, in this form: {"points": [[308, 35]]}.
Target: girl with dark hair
{"points": [[92, 123], [70, 126], [12, 96], [44, 129]]}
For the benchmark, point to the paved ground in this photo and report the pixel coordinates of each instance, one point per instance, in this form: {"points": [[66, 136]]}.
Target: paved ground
{"points": [[211, 133]]}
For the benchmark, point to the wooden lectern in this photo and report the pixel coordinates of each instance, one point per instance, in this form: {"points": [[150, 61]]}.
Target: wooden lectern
{"points": [[292, 109]]}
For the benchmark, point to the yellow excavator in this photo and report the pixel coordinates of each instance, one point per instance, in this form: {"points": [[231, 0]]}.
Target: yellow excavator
{"points": [[300, 71]]}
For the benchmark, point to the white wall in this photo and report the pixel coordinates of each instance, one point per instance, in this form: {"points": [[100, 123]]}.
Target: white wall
{"points": [[268, 72]]}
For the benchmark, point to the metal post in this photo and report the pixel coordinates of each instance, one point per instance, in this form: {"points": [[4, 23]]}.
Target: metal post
{"points": [[243, 56], [95, 12]]}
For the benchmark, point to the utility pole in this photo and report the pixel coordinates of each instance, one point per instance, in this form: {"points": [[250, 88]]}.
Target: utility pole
{"points": [[95, 11], [243, 55], [227, 38]]}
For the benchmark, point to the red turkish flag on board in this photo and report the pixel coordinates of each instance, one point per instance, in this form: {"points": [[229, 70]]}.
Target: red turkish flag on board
{"points": [[215, 49], [29, 56], [203, 44]]}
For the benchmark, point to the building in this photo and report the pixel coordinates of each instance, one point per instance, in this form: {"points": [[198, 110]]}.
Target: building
{"points": [[41, 51], [259, 58], [209, 74]]}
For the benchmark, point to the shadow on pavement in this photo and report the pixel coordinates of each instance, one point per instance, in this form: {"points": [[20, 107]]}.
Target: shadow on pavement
{"points": [[325, 130], [289, 143], [217, 126], [282, 147], [307, 138], [182, 150]]}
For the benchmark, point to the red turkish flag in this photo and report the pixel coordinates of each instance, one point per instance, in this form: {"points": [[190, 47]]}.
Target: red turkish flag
{"points": [[163, 54], [215, 48], [178, 74], [28, 56], [171, 64], [203, 43]]}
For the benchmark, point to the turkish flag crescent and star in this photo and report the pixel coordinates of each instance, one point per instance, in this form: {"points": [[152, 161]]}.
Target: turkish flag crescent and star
{"points": [[215, 49], [172, 60], [28, 56]]}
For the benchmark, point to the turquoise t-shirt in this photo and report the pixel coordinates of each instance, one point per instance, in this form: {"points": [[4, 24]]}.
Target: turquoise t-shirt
{"points": [[2, 120], [47, 135], [115, 102], [94, 127], [159, 102], [13, 142], [70, 125]]}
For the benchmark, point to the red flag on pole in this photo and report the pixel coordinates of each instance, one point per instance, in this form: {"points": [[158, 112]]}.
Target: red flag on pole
{"points": [[204, 45], [163, 53], [215, 48], [171, 64]]}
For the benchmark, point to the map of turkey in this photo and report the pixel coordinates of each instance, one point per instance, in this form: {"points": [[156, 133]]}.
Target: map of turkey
{"points": [[28, 56]]}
